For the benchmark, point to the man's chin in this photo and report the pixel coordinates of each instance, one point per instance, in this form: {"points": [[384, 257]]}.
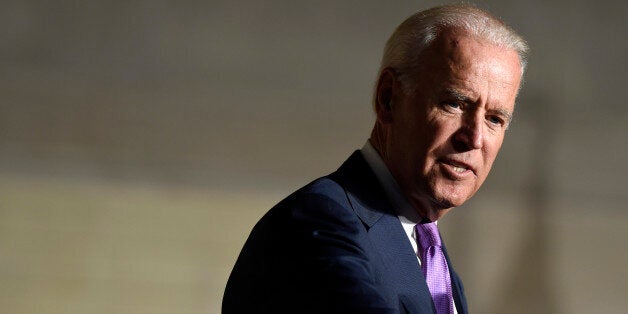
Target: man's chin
{"points": [[451, 197]]}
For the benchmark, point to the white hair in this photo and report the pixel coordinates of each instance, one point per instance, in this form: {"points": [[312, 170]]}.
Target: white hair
{"points": [[403, 51]]}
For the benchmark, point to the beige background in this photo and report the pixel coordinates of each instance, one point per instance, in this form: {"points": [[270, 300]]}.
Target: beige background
{"points": [[141, 140]]}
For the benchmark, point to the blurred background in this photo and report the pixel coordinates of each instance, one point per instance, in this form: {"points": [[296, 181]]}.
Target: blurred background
{"points": [[141, 140]]}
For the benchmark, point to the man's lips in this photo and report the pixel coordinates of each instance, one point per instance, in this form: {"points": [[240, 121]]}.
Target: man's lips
{"points": [[458, 166]]}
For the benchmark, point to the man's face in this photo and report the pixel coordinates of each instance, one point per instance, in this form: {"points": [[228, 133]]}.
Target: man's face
{"points": [[445, 133]]}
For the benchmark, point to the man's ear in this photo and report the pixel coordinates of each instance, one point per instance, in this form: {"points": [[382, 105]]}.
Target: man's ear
{"points": [[384, 95]]}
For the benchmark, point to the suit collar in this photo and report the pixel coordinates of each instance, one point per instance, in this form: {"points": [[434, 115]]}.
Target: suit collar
{"points": [[364, 191], [393, 192], [371, 205]]}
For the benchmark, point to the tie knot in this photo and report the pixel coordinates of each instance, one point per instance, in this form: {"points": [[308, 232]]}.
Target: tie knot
{"points": [[427, 234]]}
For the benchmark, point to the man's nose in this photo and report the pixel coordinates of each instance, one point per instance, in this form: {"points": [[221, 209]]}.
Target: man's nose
{"points": [[471, 133]]}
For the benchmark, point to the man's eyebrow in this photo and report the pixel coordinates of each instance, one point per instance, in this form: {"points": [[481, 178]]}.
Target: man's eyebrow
{"points": [[458, 95], [505, 113]]}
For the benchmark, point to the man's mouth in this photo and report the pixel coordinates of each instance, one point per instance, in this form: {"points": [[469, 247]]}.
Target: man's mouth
{"points": [[457, 166]]}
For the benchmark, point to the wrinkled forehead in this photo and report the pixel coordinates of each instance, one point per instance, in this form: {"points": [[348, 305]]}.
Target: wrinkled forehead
{"points": [[457, 49]]}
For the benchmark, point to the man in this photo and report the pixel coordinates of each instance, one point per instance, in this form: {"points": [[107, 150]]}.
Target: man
{"points": [[364, 239]]}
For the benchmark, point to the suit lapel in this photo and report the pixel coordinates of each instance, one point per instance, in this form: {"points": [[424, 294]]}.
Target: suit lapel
{"points": [[402, 273], [456, 286]]}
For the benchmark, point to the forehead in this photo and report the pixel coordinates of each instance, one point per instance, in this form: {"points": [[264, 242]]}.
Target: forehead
{"points": [[472, 66]]}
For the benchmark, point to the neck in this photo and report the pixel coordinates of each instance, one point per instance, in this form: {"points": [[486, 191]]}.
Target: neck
{"points": [[428, 210]]}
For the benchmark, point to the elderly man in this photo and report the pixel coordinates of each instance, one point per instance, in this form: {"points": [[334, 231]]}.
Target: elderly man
{"points": [[364, 238]]}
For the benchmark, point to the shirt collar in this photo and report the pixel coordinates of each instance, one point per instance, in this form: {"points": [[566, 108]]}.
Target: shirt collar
{"points": [[401, 205]]}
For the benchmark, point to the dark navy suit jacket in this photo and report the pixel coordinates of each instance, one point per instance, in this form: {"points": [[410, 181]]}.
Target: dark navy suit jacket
{"points": [[334, 246]]}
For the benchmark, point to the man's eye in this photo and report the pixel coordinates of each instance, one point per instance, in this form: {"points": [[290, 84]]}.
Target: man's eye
{"points": [[453, 105], [495, 120]]}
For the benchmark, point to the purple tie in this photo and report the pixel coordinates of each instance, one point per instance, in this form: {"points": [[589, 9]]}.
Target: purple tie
{"points": [[434, 267]]}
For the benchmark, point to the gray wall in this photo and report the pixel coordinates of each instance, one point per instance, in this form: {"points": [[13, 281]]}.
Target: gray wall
{"points": [[141, 140]]}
